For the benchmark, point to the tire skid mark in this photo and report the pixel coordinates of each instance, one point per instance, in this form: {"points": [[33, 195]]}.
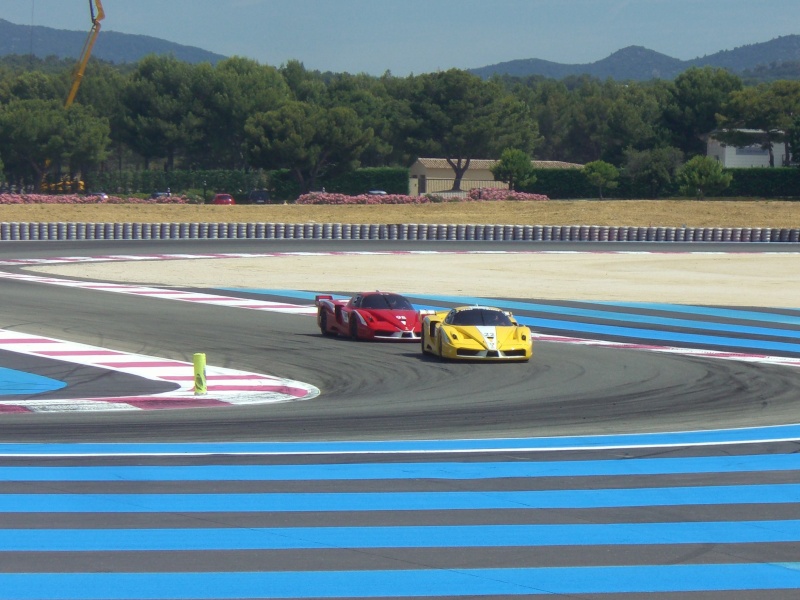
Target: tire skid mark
{"points": [[227, 386]]}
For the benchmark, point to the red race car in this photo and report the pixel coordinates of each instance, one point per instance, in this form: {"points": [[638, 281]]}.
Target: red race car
{"points": [[369, 316]]}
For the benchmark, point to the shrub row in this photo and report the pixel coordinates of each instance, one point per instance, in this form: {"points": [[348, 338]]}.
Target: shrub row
{"points": [[145, 182], [280, 182], [555, 184], [565, 184], [476, 195], [77, 199]]}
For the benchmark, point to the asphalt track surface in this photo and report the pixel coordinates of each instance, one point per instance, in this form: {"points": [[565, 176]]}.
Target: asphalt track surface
{"points": [[372, 393], [407, 477]]}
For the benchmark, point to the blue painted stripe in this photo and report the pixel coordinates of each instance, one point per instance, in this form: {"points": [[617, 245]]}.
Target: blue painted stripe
{"points": [[679, 438], [717, 312], [627, 317], [661, 336], [615, 330], [282, 293], [711, 311], [388, 584], [13, 382], [412, 501], [665, 321], [401, 471], [465, 536], [632, 332]]}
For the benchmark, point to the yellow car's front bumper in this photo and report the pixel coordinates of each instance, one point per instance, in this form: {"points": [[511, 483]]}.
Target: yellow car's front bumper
{"points": [[516, 346]]}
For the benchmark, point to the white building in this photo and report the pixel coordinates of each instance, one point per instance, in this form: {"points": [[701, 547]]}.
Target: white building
{"points": [[733, 157]]}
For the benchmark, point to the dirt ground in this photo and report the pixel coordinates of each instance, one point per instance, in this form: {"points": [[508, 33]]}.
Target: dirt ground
{"points": [[630, 213], [706, 279], [764, 279]]}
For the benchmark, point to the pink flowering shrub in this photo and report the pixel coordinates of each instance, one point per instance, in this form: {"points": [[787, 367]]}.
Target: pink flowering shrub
{"points": [[81, 199], [480, 194], [477, 195], [330, 198]]}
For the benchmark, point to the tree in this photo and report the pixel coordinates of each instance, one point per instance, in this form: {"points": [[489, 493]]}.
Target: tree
{"points": [[515, 168], [458, 116], [548, 101], [761, 115], [602, 175], [305, 85], [101, 89], [376, 108], [701, 176], [793, 139], [33, 85], [221, 99], [309, 140], [87, 138], [158, 122], [36, 133], [697, 96], [654, 170], [605, 119]]}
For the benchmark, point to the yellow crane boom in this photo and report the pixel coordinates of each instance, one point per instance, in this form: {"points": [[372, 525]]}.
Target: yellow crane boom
{"points": [[87, 49]]}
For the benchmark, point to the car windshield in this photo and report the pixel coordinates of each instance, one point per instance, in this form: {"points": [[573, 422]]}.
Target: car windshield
{"points": [[386, 302], [480, 317]]}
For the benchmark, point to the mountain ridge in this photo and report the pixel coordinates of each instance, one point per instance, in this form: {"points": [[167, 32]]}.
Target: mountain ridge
{"points": [[111, 46], [641, 64], [777, 58]]}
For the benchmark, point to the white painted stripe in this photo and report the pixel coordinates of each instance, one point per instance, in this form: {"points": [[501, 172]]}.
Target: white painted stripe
{"points": [[235, 302], [165, 294], [242, 387], [261, 385], [757, 358], [145, 257]]}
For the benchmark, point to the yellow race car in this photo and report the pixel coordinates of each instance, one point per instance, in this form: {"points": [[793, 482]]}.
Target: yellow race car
{"points": [[476, 333]]}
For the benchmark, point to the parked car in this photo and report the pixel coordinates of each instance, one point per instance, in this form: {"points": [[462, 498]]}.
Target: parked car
{"points": [[157, 195], [258, 197], [223, 199], [476, 333], [99, 196]]}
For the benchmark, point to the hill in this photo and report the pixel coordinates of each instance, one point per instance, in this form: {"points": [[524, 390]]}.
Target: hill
{"points": [[767, 61], [111, 46], [635, 63]]}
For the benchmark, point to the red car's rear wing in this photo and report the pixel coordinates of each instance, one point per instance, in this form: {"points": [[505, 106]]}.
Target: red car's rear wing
{"points": [[322, 297]]}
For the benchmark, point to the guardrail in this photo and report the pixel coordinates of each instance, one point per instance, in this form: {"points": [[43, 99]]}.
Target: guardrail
{"points": [[347, 231]]}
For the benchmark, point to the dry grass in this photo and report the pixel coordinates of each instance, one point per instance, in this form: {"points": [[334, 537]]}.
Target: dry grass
{"points": [[634, 213]]}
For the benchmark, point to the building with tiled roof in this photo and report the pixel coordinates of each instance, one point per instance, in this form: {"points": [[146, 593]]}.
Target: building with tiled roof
{"points": [[432, 175]]}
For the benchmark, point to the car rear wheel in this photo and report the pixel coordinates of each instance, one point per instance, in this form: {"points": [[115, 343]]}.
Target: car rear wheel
{"points": [[422, 340], [323, 323]]}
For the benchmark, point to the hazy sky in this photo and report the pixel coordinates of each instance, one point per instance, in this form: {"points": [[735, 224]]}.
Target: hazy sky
{"points": [[421, 36]]}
